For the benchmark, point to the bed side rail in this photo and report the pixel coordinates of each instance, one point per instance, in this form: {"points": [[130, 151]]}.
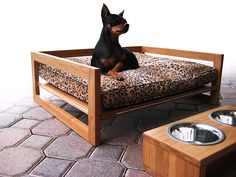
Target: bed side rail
{"points": [[90, 132]]}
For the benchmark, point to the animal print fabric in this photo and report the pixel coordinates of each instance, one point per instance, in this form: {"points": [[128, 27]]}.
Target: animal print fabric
{"points": [[156, 77]]}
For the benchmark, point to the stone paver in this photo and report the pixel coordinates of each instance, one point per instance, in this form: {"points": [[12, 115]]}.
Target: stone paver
{"points": [[116, 136], [71, 147], [177, 115], [18, 109], [166, 106], [231, 102], [133, 117], [95, 168], [25, 124], [229, 95], [11, 136], [136, 173], [204, 107], [31, 175], [123, 130], [228, 90], [36, 142], [188, 107], [7, 119], [59, 103], [83, 117], [51, 127], [154, 119], [107, 122], [107, 152], [73, 111], [46, 94], [196, 99], [70, 108], [140, 140], [37, 113], [225, 82], [50, 167], [18, 160], [133, 157]]}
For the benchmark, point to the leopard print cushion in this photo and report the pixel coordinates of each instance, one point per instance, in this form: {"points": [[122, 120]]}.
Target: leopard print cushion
{"points": [[155, 78]]}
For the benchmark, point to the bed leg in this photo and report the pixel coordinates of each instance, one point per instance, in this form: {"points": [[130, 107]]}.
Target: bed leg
{"points": [[94, 129], [215, 97], [94, 107], [218, 65], [35, 77]]}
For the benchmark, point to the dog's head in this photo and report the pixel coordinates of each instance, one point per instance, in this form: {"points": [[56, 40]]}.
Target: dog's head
{"points": [[116, 24]]}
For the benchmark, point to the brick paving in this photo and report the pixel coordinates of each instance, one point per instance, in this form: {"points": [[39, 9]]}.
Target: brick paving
{"points": [[34, 143]]}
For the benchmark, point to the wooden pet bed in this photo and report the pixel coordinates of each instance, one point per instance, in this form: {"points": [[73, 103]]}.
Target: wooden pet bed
{"points": [[93, 105]]}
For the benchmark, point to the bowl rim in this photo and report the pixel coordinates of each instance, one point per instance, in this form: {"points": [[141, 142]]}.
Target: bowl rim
{"points": [[210, 116], [222, 138]]}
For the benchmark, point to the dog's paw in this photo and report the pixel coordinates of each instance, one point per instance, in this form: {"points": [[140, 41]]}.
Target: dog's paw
{"points": [[119, 78], [115, 75]]}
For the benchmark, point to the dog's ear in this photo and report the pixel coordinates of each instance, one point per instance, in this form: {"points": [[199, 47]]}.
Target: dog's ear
{"points": [[121, 14], [105, 12]]}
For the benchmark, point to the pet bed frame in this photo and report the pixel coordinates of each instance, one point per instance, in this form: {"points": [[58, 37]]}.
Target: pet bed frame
{"points": [[93, 108]]}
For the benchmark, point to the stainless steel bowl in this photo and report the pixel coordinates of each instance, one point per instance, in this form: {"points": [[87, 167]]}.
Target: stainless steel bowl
{"points": [[196, 133], [224, 116]]}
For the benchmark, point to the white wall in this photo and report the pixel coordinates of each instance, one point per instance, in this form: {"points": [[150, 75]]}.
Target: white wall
{"points": [[28, 25]]}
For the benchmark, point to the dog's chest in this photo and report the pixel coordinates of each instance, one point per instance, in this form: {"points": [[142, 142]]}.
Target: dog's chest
{"points": [[112, 60]]}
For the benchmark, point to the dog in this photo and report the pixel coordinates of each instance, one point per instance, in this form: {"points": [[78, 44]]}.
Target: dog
{"points": [[108, 55]]}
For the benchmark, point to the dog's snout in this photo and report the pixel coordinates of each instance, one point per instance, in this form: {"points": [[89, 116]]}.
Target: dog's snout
{"points": [[126, 25]]}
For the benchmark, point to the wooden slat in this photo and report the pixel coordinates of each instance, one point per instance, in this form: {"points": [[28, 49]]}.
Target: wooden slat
{"points": [[83, 52], [77, 69], [181, 53], [135, 48], [110, 113], [66, 118], [70, 53], [77, 103]]}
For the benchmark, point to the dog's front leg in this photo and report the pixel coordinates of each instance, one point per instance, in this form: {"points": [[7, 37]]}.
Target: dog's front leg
{"points": [[114, 71]]}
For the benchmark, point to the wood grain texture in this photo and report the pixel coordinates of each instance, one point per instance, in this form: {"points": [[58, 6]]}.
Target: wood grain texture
{"points": [[35, 77], [83, 52], [75, 124], [77, 103], [94, 106], [218, 65], [182, 53], [189, 159], [72, 67]]}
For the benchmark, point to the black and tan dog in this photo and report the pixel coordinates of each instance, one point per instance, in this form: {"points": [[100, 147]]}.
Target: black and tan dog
{"points": [[108, 54]]}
